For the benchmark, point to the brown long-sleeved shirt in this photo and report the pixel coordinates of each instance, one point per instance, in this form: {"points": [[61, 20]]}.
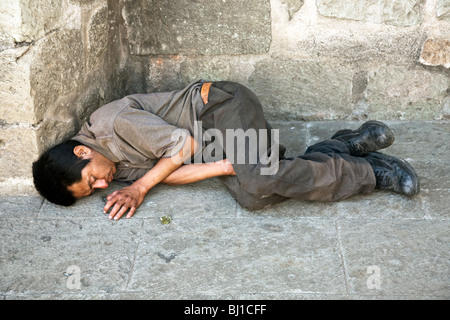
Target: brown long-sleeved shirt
{"points": [[138, 130]]}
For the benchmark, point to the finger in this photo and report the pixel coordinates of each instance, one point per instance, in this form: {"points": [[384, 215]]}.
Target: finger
{"points": [[116, 208], [120, 213], [112, 195], [132, 211], [112, 199], [108, 205]]}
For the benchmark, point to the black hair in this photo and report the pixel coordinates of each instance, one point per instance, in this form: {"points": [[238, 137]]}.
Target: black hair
{"points": [[56, 169]]}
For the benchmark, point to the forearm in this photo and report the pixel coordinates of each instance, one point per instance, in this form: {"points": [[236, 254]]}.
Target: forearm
{"points": [[158, 173], [191, 173], [131, 197], [166, 167]]}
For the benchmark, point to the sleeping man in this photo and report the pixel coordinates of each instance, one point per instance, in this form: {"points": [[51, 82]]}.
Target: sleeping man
{"points": [[212, 130]]}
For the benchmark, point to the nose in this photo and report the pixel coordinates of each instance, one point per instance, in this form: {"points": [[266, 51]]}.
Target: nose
{"points": [[100, 184]]}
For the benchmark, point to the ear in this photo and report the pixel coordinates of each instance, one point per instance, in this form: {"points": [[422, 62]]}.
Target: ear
{"points": [[82, 151]]}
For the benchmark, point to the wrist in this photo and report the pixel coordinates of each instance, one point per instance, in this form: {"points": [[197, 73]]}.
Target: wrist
{"points": [[142, 188], [226, 168]]}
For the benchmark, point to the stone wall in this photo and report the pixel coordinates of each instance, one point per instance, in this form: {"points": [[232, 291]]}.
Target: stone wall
{"points": [[59, 61], [306, 60]]}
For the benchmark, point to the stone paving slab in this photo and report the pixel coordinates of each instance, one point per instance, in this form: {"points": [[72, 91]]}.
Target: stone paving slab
{"points": [[412, 255], [233, 256], [36, 255], [378, 246]]}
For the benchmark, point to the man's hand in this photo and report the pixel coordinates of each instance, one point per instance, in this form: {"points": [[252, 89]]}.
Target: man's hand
{"points": [[128, 198], [131, 197]]}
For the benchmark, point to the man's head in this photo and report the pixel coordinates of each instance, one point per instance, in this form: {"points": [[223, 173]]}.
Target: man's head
{"points": [[71, 170]]}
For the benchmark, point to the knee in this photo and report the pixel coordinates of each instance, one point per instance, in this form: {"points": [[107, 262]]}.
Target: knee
{"points": [[245, 199], [254, 203], [328, 147]]}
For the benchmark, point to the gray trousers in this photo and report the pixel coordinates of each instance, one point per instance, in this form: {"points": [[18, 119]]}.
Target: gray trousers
{"points": [[326, 172]]}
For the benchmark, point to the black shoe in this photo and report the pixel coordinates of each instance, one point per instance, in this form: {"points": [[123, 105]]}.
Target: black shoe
{"points": [[394, 174], [370, 137]]}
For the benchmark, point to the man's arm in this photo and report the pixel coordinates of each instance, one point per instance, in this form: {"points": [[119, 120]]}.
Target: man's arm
{"points": [[190, 173], [129, 198], [169, 171]]}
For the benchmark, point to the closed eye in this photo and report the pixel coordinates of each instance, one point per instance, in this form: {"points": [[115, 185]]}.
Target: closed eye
{"points": [[90, 183]]}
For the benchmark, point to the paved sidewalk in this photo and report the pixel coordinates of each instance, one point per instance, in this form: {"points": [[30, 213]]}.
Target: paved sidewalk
{"points": [[381, 246]]}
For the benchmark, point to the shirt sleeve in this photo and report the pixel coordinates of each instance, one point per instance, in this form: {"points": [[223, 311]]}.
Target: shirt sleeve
{"points": [[141, 131]]}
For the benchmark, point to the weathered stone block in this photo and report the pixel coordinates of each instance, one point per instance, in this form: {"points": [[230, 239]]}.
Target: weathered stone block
{"points": [[10, 23], [17, 147], [85, 2], [17, 104], [170, 73], [198, 27], [436, 52], [39, 17], [293, 6], [443, 9], [28, 20], [214, 69], [446, 108], [58, 69], [399, 13], [163, 73], [363, 45], [97, 37], [53, 131], [395, 92], [303, 89]]}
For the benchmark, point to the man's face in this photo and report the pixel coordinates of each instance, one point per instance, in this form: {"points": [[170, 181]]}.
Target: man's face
{"points": [[97, 174]]}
